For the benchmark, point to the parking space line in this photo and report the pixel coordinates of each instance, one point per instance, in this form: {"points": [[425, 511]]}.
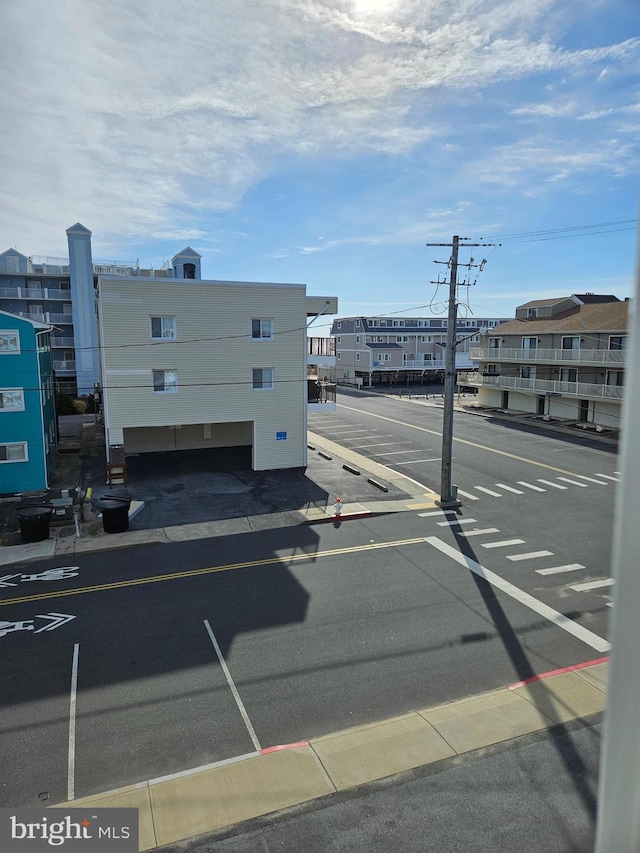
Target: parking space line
{"points": [[415, 461], [609, 477], [591, 479], [558, 619], [396, 452], [530, 486], [573, 482], [71, 759], [551, 483], [504, 543], [231, 683]]}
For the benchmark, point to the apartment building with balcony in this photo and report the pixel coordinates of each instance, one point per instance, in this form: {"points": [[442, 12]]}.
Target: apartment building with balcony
{"points": [[190, 364], [377, 350], [558, 358], [60, 292]]}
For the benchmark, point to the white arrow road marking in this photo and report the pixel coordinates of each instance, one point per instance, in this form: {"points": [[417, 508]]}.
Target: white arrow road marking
{"points": [[54, 574], [58, 620], [6, 578]]}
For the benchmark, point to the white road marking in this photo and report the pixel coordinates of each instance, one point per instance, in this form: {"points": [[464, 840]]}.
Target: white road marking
{"points": [[457, 521], [71, 760], [488, 491], [437, 512], [609, 477], [467, 533], [619, 473], [510, 489], [553, 485], [532, 555], [397, 452], [591, 479], [378, 444], [559, 619], [530, 486], [556, 570], [583, 587], [573, 482], [415, 461], [468, 496], [232, 685], [504, 543]]}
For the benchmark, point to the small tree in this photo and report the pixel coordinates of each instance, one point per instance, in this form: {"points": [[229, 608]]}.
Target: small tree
{"points": [[64, 405]]}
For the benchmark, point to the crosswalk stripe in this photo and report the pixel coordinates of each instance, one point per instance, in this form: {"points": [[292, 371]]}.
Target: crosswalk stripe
{"points": [[583, 587], [510, 489], [573, 482], [532, 555], [556, 570], [467, 533], [554, 485], [456, 521], [468, 496], [531, 486], [503, 544], [609, 477], [488, 491], [591, 479], [439, 512]]}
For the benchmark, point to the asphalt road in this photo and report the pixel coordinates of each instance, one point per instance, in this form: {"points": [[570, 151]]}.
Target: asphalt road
{"points": [[143, 662]]}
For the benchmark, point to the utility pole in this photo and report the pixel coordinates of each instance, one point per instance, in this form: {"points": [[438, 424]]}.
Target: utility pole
{"points": [[449, 492]]}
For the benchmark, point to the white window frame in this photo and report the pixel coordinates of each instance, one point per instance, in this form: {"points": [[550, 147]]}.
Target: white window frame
{"points": [[357, 339], [570, 338], [12, 391], [565, 370], [25, 450], [357, 356], [527, 371], [494, 369], [5, 334], [528, 345], [270, 378], [617, 374], [265, 333], [168, 388], [623, 342], [163, 332]]}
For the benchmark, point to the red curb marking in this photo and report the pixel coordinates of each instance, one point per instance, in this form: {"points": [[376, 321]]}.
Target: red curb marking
{"points": [[557, 672], [284, 746]]}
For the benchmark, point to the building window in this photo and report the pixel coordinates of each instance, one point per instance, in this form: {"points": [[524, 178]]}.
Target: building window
{"points": [[357, 339], [530, 343], [339, 339], [615, 377], [262, 330], [493, 370], [338, 355], [9, 342], [163, 328], [263, 378], [495, 343], [532, 312], [339, 324], [15, 452], [11, 400], [569, 374], [358, 323], [618, 342], [357, 356], [570, 342], [384, 356], [165, 381], [527, 372], [426, 356]]}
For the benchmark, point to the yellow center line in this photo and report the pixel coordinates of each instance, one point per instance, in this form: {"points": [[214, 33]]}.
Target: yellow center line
{"points": [[464, 441], [191, 573]]}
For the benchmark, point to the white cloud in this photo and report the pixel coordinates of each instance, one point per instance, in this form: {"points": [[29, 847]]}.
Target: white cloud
{"points": [[125, 115]]}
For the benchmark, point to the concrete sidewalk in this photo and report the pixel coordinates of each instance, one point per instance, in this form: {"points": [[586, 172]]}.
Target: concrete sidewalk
{"points": [[209, 799]]}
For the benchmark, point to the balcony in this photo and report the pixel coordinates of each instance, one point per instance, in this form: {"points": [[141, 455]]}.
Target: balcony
{"points": [[584, 390], [321, 351], [613, 357], [64, 366], [62, 342], [34, 293], [321, 397], [59, 318]]}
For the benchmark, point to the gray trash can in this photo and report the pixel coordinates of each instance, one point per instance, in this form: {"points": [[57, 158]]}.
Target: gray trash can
{"points": [[34, 521], [115, 513]]}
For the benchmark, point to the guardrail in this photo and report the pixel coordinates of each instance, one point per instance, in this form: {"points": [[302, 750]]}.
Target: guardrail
{"points": [[554, 356]]}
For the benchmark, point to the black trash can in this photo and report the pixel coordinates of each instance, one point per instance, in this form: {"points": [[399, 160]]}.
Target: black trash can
{"points": [[115, 513], [34, 521]]}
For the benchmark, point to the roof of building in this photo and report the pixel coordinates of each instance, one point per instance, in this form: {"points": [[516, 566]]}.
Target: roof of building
{"points": [[35, 323], [596, 297], [539, 303], [383, 346], [592, 317]]}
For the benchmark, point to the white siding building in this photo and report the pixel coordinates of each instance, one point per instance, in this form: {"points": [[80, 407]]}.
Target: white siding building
{"points": [[190, 364]]}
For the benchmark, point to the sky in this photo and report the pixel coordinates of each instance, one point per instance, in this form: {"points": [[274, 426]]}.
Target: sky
{"points": [[328, 141]]}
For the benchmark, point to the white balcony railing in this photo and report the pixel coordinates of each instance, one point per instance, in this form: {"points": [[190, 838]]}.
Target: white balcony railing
{"points": [[553, 386], [62, 342], [68, 366], [553, 356]]}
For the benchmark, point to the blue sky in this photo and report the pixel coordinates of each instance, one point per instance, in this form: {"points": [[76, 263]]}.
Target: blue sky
{"points": [[326, 141]]}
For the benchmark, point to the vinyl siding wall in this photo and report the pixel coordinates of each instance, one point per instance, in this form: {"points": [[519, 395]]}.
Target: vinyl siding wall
{"points": [[214, 355]]}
